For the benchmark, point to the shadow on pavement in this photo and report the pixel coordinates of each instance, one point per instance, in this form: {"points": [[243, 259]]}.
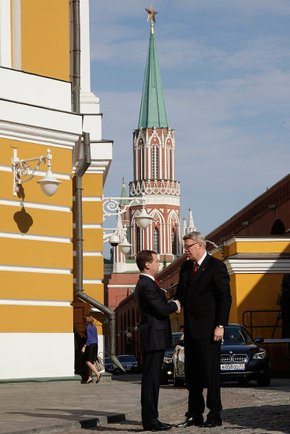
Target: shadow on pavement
{"points": [[65, 414], [129, 378], [265, 417], [128, 426]]}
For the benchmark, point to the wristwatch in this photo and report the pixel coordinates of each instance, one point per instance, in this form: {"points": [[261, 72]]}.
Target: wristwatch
{"points": [[220, 326]]}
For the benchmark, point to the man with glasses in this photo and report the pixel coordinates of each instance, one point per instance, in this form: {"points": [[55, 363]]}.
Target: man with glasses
{"points": [[204, 292]]}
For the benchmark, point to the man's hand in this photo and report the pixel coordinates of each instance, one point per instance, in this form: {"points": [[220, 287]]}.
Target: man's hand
{"points": [[218, 334]]}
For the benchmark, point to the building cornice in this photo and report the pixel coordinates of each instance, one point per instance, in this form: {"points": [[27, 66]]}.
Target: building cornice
{"points": [[262, 265]]}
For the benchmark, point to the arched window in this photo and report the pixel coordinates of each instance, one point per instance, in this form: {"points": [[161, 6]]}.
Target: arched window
{"points": [[173, 242], [156, 240], [138, 240], [278, 228], [155, 155]]}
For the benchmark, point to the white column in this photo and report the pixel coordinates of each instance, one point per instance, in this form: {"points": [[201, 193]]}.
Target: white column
{"points": [[17, 36], [5, 34], [85, 46]]}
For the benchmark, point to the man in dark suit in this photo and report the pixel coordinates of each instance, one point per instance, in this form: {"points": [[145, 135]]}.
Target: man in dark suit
{"points": [[155, 335], [204, 293]]}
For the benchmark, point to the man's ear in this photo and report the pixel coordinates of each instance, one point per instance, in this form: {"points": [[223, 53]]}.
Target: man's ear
{"points": [[147, 265]]}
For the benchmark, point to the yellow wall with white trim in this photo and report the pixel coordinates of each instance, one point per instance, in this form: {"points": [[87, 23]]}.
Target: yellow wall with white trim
{"points": [[35, 286], [31, 228], [36, 319], [257, 246], [93, 237], [257, 291]]}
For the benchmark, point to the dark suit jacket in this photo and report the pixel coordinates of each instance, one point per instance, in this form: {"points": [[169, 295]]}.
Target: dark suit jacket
{"points": [[205, 297], [154, 309]]}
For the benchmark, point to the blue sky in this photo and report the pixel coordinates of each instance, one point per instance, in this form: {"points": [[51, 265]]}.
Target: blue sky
{"points": [[225, 70]]}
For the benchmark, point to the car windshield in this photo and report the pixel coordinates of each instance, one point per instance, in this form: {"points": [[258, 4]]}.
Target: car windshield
{"points": [[236, 335], [176, 336]]}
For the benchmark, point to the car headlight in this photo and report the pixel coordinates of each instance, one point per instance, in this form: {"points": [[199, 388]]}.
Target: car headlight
{"points": [[260, 355], [167, 359]]}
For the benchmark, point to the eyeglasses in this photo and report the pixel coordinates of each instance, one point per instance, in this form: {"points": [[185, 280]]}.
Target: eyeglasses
{"points": [[189, 246]]}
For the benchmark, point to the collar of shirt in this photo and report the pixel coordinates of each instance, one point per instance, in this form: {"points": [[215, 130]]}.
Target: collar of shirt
{"points": [[202, 259], [148, 275]]}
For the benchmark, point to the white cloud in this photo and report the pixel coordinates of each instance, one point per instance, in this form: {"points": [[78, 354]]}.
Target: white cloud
{"points": [[226, 65]]}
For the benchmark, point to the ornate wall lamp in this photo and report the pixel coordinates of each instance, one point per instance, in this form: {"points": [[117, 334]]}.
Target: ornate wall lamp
{"points": [[112, 207], [23, 172]]}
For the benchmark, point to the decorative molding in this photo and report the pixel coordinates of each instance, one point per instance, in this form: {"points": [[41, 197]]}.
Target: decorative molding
{"points": [[92, 282], [35, 303], [149, 187], [35, 206], [256, 239], [39, 124], [128, 285], [41, 270], [11, 235], [37, 135], [258, 266]]}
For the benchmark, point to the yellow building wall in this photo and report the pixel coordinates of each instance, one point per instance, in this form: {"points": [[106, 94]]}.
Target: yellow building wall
{"points": [[36, 319], [36, 251], [96, 291], [255, 293], [93, 272], [257, 246], [35, 286], [45, 38]]}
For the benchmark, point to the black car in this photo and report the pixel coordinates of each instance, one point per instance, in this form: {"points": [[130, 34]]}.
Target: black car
{"points": [[167, 365], [242, 358], [128, 361], [109, 365]]}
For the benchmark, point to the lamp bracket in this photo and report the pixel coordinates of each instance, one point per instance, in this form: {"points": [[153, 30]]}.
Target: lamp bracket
{"points": [[23, 171], [112, 207]]}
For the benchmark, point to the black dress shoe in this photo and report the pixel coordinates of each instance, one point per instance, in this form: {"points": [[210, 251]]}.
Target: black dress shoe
{"points": [[190, 421], [212, 421], [159, 426], [167, 425]]}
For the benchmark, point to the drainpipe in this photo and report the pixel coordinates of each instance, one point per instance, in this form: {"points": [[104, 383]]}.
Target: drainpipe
{"points": [[76, 56], [78, 212], [79, 253]]}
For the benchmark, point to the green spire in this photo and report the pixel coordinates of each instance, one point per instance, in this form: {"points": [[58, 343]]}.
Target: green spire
{"points": [[123, 202], [152, 110]]}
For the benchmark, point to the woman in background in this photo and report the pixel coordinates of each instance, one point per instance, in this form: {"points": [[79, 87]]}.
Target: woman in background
{"points": [[91, 349]]}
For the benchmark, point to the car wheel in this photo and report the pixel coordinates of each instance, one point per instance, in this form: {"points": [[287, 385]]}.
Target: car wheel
{"points": [[264, 380]]}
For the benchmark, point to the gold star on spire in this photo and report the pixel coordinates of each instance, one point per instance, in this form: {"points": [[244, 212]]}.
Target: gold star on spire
{"points": [[151, 16]]}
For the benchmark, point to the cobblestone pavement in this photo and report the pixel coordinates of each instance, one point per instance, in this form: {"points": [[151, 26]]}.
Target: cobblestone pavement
{"points": [[113, 405], [247, 410]]}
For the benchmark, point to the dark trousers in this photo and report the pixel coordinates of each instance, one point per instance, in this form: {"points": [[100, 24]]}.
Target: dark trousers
{"points": [[202, 370], [152, 365]]}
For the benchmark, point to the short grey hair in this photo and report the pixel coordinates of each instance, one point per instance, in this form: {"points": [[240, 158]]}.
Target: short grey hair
{"points": [[195, 236]]}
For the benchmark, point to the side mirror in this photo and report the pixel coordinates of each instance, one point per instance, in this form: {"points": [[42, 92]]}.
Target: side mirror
{"points": [[259, 340]]}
